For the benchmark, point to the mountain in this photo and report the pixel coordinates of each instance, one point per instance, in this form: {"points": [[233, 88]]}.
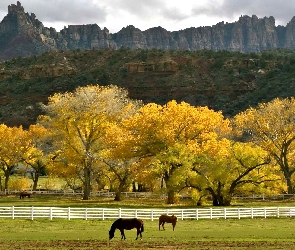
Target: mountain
{"points": [[22, 34], [202, 66]]}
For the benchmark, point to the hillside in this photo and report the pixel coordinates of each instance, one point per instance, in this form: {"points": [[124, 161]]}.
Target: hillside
{"points": [[222, 80]]}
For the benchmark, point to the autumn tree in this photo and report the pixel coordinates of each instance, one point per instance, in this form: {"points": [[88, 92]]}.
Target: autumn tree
{"points": [[167, 134], [36, 156], [119, 159], [272, 126], [79, 121], [224, 168], [14, 143]]}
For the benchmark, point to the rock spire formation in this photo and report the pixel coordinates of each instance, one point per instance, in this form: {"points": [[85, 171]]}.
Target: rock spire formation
{"points": [[22, 34]]}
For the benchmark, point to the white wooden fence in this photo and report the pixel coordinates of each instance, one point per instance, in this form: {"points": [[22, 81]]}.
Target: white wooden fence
{"points": [[147, 214]]}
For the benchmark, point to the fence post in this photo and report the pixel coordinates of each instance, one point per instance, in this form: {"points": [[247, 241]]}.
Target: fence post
{"points": [[103, 214], [32, 213], [224, 211], [239, 215], [211, 215], [86, 213], [197, 213], [12, 211], [251, 212], [181, 214], [135, 213], [69, 213], [119, 213], [265, 212], [50, 213], [278, 212], [152, 215]]}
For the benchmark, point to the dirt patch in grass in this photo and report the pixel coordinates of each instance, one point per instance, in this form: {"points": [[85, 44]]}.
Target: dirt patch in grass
{"points": [[96, 244]]}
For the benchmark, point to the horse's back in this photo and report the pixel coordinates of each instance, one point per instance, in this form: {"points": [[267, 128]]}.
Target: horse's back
{"points": [[167, 218], [130, 223]]}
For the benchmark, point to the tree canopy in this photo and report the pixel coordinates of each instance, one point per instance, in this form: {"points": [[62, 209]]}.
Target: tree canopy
{"points": [[272, 126]]}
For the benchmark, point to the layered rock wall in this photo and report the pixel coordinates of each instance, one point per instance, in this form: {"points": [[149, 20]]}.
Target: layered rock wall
{"points": [[21, 34]]}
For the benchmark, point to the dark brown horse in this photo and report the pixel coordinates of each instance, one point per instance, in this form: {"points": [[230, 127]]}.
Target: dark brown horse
{"points": [[127, 224], [169, 219], [23, 195]]}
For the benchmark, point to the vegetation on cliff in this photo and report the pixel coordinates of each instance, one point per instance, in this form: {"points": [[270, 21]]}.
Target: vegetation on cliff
{"points": [[226, 81]]}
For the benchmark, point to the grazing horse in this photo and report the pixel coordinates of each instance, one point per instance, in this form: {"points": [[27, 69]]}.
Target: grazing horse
{"points": [[169, 219], [127, 224], [23, 195]]}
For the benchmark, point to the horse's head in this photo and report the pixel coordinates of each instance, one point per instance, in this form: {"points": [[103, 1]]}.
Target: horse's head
{"points": [[111, 234], [174, 217]]}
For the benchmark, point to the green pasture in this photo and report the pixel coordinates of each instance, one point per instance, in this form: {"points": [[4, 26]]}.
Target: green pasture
{"points": [[62, 234], [188, 234]]}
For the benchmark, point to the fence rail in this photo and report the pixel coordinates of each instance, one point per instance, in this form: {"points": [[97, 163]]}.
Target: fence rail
{"points": [[147, 214]]}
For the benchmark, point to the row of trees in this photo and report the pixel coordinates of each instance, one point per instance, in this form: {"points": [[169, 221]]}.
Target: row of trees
{"points": [[98, 135]]}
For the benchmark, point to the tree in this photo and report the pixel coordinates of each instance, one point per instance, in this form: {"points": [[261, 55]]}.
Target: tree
{"points": [[35, 157], [79, 122], [272, 126], [119, 159], [168, 134], [224, 168], [14, 143]]}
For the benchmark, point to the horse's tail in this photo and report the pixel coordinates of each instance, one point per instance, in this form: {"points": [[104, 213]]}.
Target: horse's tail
{"points": [[142, 227]]}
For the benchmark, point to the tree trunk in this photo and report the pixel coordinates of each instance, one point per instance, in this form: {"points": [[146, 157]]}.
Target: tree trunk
{"points": [[171, 197], [7, 175], [289, 184], [87, 185], [35, 179], [118, 196]]}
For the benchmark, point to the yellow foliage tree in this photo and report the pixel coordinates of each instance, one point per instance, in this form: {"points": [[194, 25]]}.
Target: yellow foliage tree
{"points": [[272, 126], [14, 143], [168, 134], [79, 121], [36, 157], [224, 168]]}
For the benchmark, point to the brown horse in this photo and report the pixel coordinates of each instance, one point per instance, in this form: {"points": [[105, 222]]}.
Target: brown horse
{"points": [[169, 219], [23, 195], [127, 224]]}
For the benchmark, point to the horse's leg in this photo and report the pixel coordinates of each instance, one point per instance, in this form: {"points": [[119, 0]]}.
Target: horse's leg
{"points": [[122, 234], [140, 234], [163, 225]]}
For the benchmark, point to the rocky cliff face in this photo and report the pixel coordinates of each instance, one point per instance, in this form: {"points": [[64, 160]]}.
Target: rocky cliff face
{"points": [[21, 34]]}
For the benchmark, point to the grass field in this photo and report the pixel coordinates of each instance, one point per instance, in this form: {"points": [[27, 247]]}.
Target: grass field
{"points": [[188, 234], [81, 234]]}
